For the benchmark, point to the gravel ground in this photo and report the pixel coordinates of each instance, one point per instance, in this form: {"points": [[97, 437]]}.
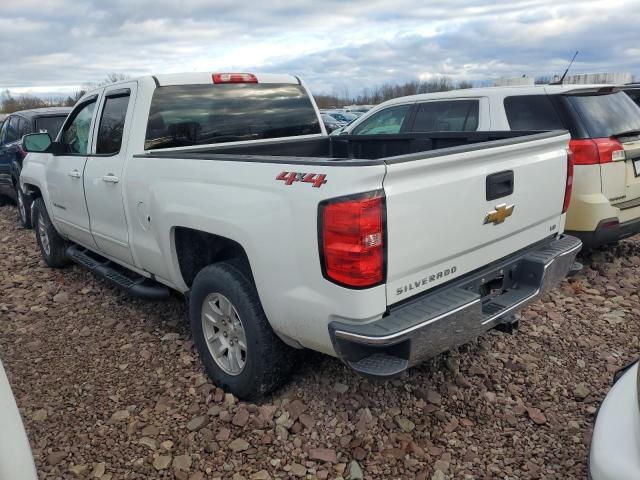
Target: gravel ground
{"points": [[111, 388]]}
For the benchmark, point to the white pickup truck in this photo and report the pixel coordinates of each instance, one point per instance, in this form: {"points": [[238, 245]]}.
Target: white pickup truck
{"points": [[382, 250]]}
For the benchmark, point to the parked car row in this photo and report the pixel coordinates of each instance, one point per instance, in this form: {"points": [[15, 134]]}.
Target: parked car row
{"points": [[425, 222], [337, 119]]}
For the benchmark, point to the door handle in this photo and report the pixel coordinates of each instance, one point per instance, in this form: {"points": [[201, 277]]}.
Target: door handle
{"points": [[110, 178], [74, 173]]}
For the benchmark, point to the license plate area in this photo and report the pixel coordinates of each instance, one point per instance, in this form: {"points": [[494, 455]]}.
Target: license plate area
{"points": [[636, 166], [494, 283]]}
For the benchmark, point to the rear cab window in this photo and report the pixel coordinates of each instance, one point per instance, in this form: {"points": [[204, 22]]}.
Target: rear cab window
{"points": [[186, 115], [447, 116], [532, 112]]}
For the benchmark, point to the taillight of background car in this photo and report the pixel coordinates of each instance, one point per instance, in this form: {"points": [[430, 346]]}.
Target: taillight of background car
{"points": [[594, 151]]}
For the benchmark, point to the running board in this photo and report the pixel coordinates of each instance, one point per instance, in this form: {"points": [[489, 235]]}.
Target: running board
{"points": [[139, 286]]}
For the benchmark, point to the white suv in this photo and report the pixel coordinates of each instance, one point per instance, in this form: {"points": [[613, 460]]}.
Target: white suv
{"points": [[603, 121]]}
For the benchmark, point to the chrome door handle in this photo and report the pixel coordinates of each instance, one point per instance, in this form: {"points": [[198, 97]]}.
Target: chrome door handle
{"points": [[74, 173], [110, 178]]}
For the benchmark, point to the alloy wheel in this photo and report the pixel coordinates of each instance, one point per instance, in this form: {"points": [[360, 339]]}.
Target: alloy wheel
{"points": [[224, 333]]}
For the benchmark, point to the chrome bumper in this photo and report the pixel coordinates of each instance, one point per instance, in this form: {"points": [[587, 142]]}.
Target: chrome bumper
{"points": [[454, 314]]}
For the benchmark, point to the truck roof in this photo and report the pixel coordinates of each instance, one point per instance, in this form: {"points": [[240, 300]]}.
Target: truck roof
{"points": [[194, 78]]}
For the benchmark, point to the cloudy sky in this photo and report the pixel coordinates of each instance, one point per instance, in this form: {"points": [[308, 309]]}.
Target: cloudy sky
{"points": [[54, 46]]}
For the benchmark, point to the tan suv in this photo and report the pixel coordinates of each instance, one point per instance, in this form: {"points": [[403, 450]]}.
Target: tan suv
{"points": [[603, 121]]}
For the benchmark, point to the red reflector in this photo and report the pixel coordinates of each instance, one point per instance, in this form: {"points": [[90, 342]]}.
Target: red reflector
{"points": [[234, 78], [21, 151], [594, 151], [569, 185], [352, 240]]}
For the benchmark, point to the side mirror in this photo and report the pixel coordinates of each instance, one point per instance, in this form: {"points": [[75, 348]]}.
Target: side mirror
{"points": [[36, 142]]}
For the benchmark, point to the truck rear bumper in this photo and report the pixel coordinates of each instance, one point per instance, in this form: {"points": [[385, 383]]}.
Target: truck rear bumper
{"points": [[453, 314]]}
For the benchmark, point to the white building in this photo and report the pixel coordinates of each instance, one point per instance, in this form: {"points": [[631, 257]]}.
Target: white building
{"points": [[513, 82], [618, 78]]}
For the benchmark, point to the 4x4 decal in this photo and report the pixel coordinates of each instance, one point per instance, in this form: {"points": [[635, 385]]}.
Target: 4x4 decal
{"points": [[317, 179]]}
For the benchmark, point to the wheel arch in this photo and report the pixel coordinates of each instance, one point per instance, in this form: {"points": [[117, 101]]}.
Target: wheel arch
{"points": [[195, 249]]}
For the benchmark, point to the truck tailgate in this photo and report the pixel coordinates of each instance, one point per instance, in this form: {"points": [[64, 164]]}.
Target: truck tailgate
{"points": [[440, 222]]}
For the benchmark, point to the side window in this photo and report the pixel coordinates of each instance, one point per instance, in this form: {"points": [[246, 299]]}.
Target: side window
{"points": [[77, 131], [112, 124], [532, 112], [3, 130], [447, 116], [387, 121], [12, 129], [24, 127], [634, 94]]}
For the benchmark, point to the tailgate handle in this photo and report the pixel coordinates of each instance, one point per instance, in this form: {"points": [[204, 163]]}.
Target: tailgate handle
{"points": [[499, 185]]}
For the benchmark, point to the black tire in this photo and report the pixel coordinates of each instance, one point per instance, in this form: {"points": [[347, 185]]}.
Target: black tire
{"points": [[268, 360], [24, 202], [55, 254]]}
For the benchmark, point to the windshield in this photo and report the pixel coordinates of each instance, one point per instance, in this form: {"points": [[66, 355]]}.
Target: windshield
{"points": [[185, 115], [606, 115], [51, 125]]}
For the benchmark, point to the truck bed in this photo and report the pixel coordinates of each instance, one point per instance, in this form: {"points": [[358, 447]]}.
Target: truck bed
{"points": [[350, 149]]}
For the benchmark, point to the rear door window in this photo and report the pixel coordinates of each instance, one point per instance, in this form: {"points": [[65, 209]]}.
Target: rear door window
{"points": [[606, 115], [532, 112], [50, 125], [387, 121], [111, 127], [185, 115], [447, 116], [24, 127]]}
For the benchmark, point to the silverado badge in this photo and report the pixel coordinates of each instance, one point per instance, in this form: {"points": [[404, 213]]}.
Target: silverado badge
{"points": [[499, 215]]}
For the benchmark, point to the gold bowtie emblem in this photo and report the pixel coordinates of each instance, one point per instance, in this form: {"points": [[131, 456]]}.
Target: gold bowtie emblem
{"points": [[499, 215]]}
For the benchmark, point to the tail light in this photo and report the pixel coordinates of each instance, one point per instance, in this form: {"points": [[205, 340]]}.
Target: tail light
{"points": [[352, 240], [593, 151], [234, 78], [569, 185], [21, 151]]}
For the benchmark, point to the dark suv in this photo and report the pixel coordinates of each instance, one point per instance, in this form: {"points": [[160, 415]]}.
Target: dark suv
{"points": [[14, 127]]}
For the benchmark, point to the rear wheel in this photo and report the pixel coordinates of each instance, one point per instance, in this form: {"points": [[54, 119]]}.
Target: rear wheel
{"points": [[24, 207], [52, 245], [239, 350]]}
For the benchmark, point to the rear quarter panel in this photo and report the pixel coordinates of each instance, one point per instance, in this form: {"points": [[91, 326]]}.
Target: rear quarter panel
{"points": [[275, 223]]}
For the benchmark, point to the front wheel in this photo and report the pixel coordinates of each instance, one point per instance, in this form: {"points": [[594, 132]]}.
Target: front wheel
{"points": [[24, 207], [239, 350], [52, 245]]}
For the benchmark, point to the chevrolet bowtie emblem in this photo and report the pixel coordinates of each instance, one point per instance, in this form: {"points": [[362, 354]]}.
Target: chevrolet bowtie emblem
{"points": [[499, 215]]}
